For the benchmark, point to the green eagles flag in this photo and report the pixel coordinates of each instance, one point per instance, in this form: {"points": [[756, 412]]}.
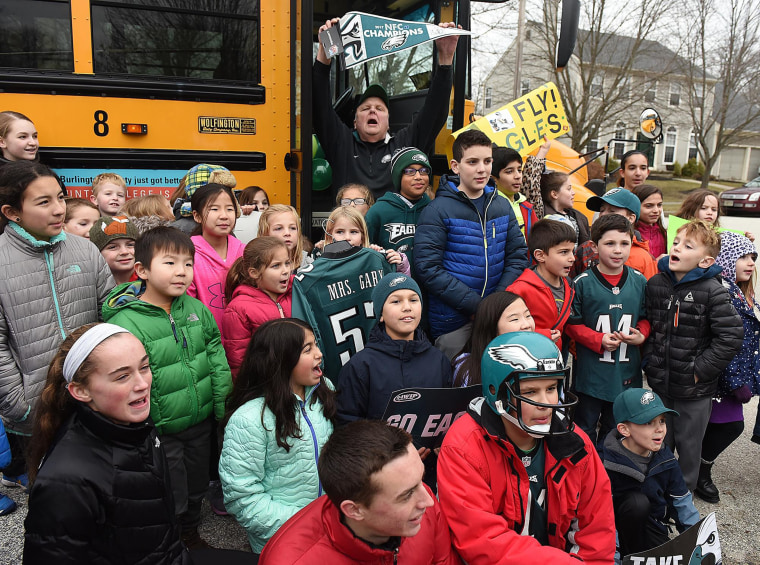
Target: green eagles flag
{"points": [[366, 37]]}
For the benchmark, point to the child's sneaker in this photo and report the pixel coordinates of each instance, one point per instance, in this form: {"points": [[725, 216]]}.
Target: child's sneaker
{"points": [[6, 505], [15, 482], [216, 498]]}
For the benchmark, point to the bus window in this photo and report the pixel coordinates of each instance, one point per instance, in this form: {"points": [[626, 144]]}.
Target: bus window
{"points": [[30, 40], [200, 39]]}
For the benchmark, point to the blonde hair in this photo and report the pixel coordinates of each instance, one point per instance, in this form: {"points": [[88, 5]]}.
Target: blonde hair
{"points": [[257, 255], [367, 193], [6, 121], [353, 216], [704, 233], [296, 254], [103, 178], [150, 205], [73, 204]]}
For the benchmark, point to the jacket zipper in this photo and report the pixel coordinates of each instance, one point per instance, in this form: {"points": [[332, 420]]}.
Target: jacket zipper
{"points": [[484, 227], [184, 356], [313, 435], [395, 556], [50, 267]]}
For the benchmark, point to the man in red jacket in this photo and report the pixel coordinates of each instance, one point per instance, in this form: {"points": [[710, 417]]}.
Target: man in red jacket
{"points": [[376, 508], [517, 482]]}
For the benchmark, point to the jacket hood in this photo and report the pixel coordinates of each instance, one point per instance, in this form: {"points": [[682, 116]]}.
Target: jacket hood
{"points": [[732, 247], [695, 274], [397, 201], [561, 447], [402, 349], [121, 296]]}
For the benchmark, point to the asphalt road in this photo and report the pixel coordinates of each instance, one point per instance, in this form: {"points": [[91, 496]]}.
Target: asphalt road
{"points": [[736, 473]]}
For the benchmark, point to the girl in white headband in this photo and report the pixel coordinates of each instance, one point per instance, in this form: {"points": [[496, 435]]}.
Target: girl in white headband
{"points": [[99, 478]]}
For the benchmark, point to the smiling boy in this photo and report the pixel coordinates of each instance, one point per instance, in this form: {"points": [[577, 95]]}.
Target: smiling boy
{"points": [[545, 287], [109, 192], [468, 243], [695, 334], [647, 484], [191, 377], [517, 481], [607, 325], [115, 238]]}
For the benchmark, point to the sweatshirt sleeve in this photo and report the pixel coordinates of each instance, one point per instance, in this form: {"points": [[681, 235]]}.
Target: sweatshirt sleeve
{"points": [[531, 183]]}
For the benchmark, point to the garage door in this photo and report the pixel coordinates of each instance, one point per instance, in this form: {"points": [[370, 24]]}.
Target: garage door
{"points": [[732, 163], [754, 163]]}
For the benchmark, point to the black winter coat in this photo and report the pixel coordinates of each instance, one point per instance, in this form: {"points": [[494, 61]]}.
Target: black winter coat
{"points": [[102, 495], [695, 332], [366, 382]]}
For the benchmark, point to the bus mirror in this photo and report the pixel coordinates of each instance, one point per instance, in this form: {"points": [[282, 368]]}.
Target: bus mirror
{"points": [[571, 11], [651, 124]]}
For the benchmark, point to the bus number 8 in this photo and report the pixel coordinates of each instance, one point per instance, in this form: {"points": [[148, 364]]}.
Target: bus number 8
{"points": [[101, 125]]}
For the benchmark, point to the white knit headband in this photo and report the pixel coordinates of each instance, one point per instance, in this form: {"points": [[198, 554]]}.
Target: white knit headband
{"points": [[84, 345]]}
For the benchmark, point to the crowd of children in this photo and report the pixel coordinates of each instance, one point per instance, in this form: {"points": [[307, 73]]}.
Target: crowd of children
{"points": [[232, 363]]}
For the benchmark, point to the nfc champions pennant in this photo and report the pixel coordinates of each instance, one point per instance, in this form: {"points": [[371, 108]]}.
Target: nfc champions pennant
{"points": [[366, 37]]}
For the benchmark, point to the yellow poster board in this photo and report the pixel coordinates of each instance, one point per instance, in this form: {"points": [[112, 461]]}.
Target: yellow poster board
{"points": [[523, 123], [675, 223]]}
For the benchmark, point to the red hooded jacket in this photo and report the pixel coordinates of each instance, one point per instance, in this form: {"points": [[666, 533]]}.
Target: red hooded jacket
{"points": [[316, 536], [483, 489]]}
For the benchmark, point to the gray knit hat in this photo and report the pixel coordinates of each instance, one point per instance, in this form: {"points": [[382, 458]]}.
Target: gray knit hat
{"points": [[389, 284], [402, 159]]}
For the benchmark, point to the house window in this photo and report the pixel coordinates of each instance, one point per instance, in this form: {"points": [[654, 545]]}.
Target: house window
{"points": [[651, 93], [619, 148], [670, 145], [488, 96], [675, 94], [597, 86], [699, 93], [693, 151], [625, 88], [524, 87], [593, 141]]}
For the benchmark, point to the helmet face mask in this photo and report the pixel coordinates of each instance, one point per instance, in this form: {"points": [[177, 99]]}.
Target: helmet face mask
{"points": [[519, 357]]}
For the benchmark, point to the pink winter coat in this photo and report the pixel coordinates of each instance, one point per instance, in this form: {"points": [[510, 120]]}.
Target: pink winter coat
{"points": [[248, 309], [210, 274]]}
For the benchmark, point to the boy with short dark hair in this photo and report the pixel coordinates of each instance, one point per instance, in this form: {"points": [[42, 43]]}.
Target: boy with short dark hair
{"points": [[392, 220], [517, 481], [647, 484], [695, 334], [397, 354], [545, 287], [608, 326], [109, 192], [624, 202], [467, 243], [508, 174], [191, 377]]}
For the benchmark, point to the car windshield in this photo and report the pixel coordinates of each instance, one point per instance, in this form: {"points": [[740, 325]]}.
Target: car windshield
{"points": [[754, 183]]}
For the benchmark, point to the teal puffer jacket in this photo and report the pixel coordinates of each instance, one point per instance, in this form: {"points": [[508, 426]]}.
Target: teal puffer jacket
{"points": [[263, 484], [191, 377]]}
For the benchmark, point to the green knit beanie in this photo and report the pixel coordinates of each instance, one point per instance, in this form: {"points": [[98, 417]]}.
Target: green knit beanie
{"points": [[402, 159]]}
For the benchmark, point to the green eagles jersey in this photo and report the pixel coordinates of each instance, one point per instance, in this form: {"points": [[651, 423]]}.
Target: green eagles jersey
{"points": [[334, 296], [605, 309]]}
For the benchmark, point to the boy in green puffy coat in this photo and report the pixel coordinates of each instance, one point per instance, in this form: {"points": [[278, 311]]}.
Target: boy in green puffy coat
{"points": [[191, 377], [392, 221]]}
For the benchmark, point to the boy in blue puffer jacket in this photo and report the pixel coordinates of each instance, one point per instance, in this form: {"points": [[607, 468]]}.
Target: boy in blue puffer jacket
{"points": [[468, 243]]}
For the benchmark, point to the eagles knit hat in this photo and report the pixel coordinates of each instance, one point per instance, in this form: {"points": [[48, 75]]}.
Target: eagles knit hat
{"points": [[108, 228], [620, 197], [402, 159], [198, 176], [389, 284], [638, 405], [374, 91]]}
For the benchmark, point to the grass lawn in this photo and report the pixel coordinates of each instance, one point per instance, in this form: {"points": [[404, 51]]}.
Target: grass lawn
{"points": [[675, 190]]}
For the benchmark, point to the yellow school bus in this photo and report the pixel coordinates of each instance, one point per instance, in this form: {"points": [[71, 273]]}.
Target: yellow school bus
{"points": [[149, 88]]}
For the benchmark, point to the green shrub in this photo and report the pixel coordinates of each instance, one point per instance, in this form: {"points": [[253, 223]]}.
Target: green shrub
{"points": [[677, 169], [612, 165], [689, 169]]}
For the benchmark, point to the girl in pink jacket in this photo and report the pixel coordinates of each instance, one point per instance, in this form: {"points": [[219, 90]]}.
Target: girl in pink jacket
{"points": [[259, 288], [215, 209]]}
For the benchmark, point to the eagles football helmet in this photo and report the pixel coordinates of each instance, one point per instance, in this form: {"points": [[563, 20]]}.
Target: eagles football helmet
{"points": [[519, 356]]}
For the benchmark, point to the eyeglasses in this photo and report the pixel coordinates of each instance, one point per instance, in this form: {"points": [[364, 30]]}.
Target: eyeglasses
{"points": [[354, 201], [410, 172]]}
